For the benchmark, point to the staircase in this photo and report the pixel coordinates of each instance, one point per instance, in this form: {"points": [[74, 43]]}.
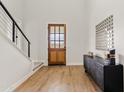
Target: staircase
{"points": [[15, 63]]}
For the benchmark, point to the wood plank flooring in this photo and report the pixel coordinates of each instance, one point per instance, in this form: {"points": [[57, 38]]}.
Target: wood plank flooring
{"points": [[59, 79]]}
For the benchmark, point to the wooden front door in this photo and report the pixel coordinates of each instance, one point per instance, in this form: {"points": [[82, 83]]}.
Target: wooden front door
{"points": [[57, 44]]}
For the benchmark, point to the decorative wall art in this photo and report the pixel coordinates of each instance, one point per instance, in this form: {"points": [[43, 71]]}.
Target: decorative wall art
{"points": [[105, 34]]}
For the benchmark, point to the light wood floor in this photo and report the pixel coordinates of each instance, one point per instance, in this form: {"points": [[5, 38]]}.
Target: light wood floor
{"points": [[59, 79]]}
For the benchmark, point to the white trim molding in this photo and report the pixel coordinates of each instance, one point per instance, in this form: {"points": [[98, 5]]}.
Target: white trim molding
{"points": [[18, 83]]}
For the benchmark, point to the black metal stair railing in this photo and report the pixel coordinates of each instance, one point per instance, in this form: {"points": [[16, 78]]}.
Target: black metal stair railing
{"points": [[9, 26]]}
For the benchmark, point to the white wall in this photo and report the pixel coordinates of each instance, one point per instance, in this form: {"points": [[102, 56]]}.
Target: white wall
{"points": [[99, 10], [13, 65], [39, 13]]}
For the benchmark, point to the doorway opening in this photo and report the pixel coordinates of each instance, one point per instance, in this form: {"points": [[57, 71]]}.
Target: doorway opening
{"points": [[56, 44]]}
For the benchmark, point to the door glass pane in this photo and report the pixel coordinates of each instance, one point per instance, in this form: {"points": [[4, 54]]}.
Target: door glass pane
{"points": [[52, 44], [52, 29], [57, 36], [57, 44], [61, 29], [52, 36], [61, 44], [61, 36], [57, 29]]}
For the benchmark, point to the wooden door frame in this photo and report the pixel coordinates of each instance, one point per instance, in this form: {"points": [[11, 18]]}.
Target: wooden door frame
{"points": [[49, 25]]}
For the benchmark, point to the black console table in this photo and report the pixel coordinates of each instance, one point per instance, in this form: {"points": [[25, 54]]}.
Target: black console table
{"points": [[108, 77]]}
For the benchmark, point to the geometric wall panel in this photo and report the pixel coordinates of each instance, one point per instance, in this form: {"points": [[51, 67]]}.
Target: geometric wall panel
{"points": [[105, 34]]}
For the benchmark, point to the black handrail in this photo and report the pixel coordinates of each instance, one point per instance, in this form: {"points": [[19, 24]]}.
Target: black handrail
{"points": [[15, 24]]}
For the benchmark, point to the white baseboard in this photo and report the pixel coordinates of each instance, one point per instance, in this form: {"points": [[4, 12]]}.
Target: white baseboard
{"points": [[68, 63], [18, 83], [40, 61], [36, 64], [74, 63]]}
